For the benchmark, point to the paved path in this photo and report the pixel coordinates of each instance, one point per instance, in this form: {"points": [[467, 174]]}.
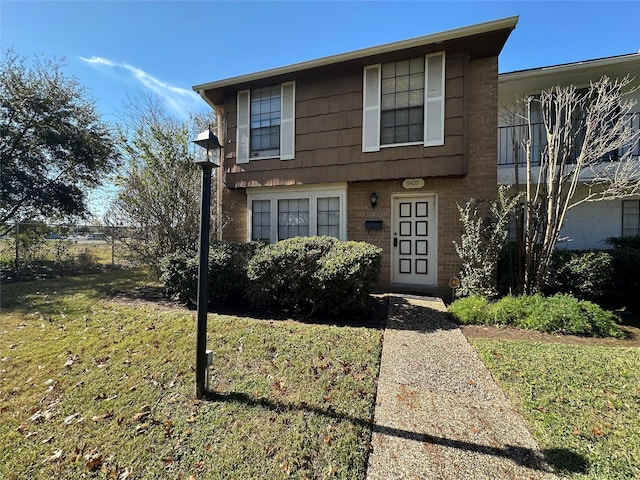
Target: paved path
{"points": [[439, 414]]}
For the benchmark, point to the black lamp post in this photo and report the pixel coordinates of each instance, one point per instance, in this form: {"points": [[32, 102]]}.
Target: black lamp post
{"points": [[206, 159]]}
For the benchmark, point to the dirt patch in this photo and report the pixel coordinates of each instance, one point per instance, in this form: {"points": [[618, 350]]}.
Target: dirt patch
{"points": [[513, 333]]}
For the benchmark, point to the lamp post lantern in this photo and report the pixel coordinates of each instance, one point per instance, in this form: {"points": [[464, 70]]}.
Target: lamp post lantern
{"points": [[206, 159]]}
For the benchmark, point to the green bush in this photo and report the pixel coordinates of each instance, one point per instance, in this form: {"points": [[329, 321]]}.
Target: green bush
{"points": [[560, 313], [227, 273], [180, 276], [313, 275], [586, 275], [625, 242], [470, 310], [344, 277]]}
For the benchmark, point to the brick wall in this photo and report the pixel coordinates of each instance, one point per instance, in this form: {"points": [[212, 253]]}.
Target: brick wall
{"points": [[480, 182], [234, 206]]}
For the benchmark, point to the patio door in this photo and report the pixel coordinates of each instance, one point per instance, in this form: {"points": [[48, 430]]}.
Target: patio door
{"points": [[414, 240]]}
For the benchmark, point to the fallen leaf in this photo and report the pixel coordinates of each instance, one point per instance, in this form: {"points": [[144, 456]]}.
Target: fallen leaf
{"points": [[610, 405], [57, 455], [70, 418], [94, 462], [597, 431], [141, 416], [284, 466]]}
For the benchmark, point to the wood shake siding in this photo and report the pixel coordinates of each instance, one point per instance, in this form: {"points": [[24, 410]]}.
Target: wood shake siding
{"points": [[329, 137], [480, 183]]}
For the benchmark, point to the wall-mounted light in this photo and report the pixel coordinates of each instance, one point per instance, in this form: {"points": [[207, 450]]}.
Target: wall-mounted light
{"points": [[373, 199]]}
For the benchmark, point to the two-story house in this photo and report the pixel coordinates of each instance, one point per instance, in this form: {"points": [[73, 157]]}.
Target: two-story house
{"points": [[589, 224], [375, 145]]}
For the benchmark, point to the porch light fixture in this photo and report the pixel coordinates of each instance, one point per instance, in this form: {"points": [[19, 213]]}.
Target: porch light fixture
{"points": [[206, 159], [373, 199]]}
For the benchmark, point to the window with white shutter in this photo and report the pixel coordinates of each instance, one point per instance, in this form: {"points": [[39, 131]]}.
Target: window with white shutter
{"points": [[403, 103], [266, 123]]}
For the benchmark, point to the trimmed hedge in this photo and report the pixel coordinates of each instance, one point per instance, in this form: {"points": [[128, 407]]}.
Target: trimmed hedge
{"points": [[314, 275], [560, 313], [306, 275], [227, 273]]}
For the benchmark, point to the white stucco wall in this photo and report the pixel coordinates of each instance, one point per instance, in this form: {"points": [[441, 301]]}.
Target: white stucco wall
{"points": [[589, 224]]}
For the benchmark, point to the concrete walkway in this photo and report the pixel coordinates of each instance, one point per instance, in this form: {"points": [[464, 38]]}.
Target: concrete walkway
{"points": [[439, 414]]}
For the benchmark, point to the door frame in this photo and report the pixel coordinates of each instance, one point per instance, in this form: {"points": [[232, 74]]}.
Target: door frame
{"points": [[433, 244]]}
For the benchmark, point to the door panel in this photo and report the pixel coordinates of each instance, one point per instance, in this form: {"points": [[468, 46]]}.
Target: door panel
{"points": [[414, 240]]}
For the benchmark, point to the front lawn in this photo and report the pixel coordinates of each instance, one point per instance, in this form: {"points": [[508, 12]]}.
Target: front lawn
{"points": [[91, 386], [581, 402]]}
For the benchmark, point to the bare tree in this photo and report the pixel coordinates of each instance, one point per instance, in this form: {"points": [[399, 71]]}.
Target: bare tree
{"points": [[577, 147], [159, 195]]}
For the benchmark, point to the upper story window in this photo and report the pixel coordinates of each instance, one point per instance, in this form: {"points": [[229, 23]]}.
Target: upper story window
{"points": [[403, 103], [266, 123]]}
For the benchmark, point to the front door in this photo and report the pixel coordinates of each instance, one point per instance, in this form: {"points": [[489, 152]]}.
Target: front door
{"points": [[414, 240]]}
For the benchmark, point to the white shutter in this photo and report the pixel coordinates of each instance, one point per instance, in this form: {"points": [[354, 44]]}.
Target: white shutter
{"points": [[287, 121], [242, 129], [434, 99], [371, 109]]}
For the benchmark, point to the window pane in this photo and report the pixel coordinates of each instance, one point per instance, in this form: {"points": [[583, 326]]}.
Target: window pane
{"points": [[261, 220], [265, 121], [293, 218], [402, 101], [328, 218]]}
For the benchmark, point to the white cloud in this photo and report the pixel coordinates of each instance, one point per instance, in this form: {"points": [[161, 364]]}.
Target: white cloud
{"points": [[180, 100]]}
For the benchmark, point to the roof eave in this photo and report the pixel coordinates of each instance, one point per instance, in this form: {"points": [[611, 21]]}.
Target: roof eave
{"points": [[508, 23]]}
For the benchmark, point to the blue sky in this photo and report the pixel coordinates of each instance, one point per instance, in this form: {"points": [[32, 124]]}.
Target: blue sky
{"points": [[119, 48]]}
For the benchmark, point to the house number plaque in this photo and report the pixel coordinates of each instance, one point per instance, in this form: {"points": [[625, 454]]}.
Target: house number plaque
{"points": [[410, 183]]}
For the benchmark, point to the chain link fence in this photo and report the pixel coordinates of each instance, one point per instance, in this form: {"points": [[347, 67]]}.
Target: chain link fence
{"points": [[34, 249]]}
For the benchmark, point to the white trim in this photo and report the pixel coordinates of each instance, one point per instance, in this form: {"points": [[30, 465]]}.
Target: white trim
{"points": [[298, 191], [243, 127], [371, 79], [434, 105], [287, 120]]}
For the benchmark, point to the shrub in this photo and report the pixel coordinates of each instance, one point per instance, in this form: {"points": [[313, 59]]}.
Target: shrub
{"points": [[313, 275], [560, 313], [470, 310], [344, 277], [586, 275], [180, 276], [625, 242], [227, 272]]}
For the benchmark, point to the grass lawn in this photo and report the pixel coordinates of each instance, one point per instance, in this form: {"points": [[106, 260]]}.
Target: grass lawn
{"points": [[581, 402], [91, 386]]}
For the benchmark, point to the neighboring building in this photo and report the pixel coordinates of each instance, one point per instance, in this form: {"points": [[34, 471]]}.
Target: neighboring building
{"points": [[589, 224], [376, 145]]}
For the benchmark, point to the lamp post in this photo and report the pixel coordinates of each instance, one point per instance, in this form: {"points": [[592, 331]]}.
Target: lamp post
{"points": [[206, 160]]}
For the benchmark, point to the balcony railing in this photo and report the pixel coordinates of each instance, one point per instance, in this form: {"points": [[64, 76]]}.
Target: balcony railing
{"points": [[511, 150]]}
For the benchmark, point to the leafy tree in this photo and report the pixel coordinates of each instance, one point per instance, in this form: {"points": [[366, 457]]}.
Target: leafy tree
{"points": [[481, 243], [54, 147], [159, 187], [585, 154]]}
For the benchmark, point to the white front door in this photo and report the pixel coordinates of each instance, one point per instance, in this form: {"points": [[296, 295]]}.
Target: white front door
{"points": [[414, 240]]}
